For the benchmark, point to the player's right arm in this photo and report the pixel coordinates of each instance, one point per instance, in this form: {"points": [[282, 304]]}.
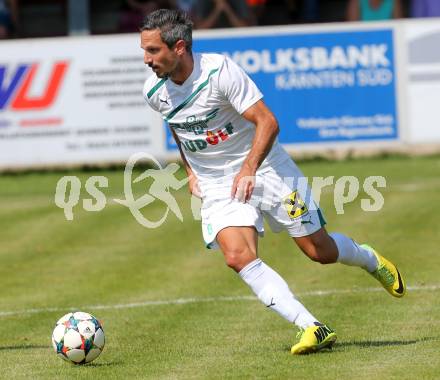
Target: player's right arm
{"points": [[192, 179]]}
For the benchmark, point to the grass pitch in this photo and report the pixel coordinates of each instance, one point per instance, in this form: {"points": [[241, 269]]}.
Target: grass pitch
{"points": [[173, 310]]}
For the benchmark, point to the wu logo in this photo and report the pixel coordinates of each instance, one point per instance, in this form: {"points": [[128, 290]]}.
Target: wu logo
{"points": [[16, 93]]}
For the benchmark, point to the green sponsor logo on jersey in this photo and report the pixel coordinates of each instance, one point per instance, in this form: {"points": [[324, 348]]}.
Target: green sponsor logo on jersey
{"points": [[195, 124]]}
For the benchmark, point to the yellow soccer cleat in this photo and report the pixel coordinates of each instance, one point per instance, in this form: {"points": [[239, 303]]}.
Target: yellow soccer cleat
{"points": [[388, 275], [314, 338]]}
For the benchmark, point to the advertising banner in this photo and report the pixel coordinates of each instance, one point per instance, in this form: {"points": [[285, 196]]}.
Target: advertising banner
{"points": [[322, 87], [74, 100], [79, 100], [423, 41]]}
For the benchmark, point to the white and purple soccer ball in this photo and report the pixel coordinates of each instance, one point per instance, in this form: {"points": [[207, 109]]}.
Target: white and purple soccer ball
{"points": [[78, 338]]}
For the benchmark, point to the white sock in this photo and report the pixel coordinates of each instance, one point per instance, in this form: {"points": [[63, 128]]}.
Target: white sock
{"points": [[351, 253], [274, 292]]}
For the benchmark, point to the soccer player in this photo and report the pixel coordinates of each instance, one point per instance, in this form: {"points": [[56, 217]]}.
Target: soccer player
{"points": [[227, 138]]}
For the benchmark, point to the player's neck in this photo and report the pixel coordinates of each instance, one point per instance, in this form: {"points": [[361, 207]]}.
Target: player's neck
{"points": [[184, 70]]}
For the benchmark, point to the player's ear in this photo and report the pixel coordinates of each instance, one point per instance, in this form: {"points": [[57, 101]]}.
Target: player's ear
{"points": [[180, 47]]}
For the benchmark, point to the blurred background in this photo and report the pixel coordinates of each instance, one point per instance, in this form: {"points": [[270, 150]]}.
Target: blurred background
{"points": [[342, 76], [48, 18]]}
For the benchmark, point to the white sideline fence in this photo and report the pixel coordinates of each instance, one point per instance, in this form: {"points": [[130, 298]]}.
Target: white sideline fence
{"points": [[341, 88]]}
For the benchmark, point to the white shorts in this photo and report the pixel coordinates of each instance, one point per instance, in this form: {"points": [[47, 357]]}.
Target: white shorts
{"points": [[281, 195]]}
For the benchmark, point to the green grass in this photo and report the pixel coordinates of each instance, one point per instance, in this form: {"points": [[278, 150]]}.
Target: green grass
{"points": [[106, 258]]}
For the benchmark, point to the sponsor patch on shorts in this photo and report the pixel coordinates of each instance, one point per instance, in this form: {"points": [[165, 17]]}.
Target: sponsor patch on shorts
{"points": [[294, 205]]}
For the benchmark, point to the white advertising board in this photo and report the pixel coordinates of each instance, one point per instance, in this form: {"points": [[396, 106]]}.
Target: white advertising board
{"points": [[78, 100], [74, 100], [423, 49]]}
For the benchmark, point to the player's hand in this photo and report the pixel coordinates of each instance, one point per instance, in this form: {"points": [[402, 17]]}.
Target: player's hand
{"points": [[244, 184], [194, 187]]}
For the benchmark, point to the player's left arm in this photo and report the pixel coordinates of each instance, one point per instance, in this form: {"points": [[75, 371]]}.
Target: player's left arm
{"points": [[267, 130]]}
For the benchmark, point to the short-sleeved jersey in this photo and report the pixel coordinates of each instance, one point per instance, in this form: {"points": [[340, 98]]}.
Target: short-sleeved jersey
{"points": [[206, 114]]}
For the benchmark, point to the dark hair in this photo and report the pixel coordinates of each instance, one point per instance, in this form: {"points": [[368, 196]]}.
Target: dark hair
{"points": [[173, 25]]}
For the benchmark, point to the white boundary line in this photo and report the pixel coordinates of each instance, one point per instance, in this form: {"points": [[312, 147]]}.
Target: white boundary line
{"points": [[183, 301]]}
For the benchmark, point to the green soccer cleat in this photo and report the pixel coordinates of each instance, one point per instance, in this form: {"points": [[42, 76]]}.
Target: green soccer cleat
{"points": [[313, 339], [388, 275]]}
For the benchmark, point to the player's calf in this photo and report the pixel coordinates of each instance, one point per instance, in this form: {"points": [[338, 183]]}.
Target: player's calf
{"points": [[319, 247]]}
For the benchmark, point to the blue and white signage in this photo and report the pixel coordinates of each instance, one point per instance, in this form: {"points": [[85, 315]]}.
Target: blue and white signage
{"points": [[322, 87]]}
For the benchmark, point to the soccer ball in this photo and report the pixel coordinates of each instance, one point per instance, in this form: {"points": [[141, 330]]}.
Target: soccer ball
{"points": [[78, 338]]}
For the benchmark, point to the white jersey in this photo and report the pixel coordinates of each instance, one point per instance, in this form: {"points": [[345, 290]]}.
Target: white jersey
{"points": [[205, 113]]}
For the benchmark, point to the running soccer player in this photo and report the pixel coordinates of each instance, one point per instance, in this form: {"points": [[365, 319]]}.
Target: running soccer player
{"points": [[227, 138]]}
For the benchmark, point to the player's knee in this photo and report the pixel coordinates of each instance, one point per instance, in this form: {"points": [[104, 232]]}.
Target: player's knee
{"points": [[237, 258]]}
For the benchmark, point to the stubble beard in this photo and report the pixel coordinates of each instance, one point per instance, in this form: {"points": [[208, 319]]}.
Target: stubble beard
{"points": [[163, 76], [170, 73]]}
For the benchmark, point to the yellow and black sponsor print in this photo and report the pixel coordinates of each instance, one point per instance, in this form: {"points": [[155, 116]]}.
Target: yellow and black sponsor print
{"points": [[294, 205]]}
